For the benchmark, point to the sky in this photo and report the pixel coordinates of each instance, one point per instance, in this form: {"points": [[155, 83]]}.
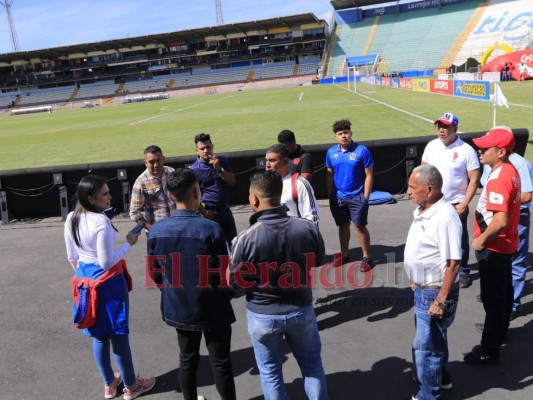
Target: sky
{"points": [[44, 24]]}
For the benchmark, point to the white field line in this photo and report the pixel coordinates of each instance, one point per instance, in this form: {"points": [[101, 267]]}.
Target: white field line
{"points": [[391, 106], [301, 96], [178, 110], [520, 105]]}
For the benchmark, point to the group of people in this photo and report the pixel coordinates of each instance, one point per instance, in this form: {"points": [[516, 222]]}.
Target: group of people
{"points": [[200, 263], [437, 245], [508, 69]]}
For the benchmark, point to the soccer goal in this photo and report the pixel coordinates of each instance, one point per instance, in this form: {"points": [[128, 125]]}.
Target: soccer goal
{"points": [[361, 80]]}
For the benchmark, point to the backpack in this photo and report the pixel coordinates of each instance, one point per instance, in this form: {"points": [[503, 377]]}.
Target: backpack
{"points": [[85, 294]]}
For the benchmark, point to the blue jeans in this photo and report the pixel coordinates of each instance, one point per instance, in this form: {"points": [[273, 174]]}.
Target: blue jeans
{"points": [[122, 352], [430, 346], [520, 257], [301, 331]]}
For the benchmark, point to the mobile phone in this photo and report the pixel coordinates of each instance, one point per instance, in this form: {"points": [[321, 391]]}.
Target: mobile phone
{"points": [[137, 228]]}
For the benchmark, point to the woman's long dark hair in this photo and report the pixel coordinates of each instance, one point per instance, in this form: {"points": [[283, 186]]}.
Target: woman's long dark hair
{"points": [[88, 186]]}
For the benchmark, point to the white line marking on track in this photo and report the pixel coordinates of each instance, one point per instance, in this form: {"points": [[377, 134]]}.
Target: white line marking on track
{"points": [[178, 110], [301, 96]]}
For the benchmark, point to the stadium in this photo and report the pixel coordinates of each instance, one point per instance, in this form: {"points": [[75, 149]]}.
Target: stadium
{"points": [[369, 63], [241, 74], [389, 67]]}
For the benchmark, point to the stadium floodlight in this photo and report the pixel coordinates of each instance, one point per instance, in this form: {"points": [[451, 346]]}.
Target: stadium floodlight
{"points": [[14, 38], [220, 17]]}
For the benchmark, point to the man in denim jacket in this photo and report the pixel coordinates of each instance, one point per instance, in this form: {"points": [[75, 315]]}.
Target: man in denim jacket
{"points": [[189, 250]]}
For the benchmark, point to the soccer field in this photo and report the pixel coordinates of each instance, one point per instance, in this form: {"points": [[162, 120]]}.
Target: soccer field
{"points": [[242, 120]]}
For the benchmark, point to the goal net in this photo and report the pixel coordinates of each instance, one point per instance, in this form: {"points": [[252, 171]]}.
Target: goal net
{"points": [[361, 80]]}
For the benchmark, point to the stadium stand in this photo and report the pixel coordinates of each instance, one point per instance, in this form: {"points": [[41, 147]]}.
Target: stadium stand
{"points": [[414, 40], [98, 90], [175, 61], [46, 96], [411, 39]]}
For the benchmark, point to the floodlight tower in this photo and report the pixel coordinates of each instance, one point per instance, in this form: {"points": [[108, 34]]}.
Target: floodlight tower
{"points": [[220, 17], [14, 39]]}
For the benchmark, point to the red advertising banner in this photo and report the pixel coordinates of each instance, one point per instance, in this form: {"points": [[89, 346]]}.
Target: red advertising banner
{"points": [[406, 84], [441, 86], [385, 81]]}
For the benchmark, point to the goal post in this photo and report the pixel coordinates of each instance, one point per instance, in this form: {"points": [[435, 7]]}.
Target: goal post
{"points": [[360, 81]]}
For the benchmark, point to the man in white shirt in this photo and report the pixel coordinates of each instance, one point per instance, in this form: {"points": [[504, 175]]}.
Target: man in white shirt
{"points": [[431, 261], [297, 195], [458, 164]]}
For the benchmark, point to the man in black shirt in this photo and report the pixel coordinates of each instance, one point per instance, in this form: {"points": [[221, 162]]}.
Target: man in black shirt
{"points": [[299, 160]]}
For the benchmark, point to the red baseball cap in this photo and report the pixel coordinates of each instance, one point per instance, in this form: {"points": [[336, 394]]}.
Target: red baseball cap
{"points": [[499, 136]]}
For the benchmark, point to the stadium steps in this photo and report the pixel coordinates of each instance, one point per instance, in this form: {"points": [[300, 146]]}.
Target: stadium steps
{"points": [[350, 41], [461, 39], [510, 25], [73, 95], [331, 50], [169, 85], [249, 77], [295, 70], [419, 40], [119, 90], [370, 36]]}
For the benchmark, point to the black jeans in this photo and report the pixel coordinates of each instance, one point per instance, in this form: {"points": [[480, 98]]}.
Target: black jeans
{"points": [[496, 282], [218, 346]]}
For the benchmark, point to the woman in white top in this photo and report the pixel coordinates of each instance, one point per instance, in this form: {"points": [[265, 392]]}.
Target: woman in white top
{"points": [[89, 238]]}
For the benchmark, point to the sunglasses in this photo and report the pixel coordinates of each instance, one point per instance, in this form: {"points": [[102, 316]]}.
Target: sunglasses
{"points": [[482, 151]]}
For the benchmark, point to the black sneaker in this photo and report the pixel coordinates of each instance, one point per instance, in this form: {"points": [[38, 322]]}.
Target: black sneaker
{"points": [[479, 356], [465, 281], [366, 264]]}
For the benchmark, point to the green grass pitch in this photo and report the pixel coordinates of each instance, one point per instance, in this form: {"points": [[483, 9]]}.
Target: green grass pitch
{"points": [[243, 120]]}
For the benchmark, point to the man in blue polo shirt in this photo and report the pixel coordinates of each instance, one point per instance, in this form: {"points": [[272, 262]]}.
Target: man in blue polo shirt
{"points": [[349, 182], [215, 177]]}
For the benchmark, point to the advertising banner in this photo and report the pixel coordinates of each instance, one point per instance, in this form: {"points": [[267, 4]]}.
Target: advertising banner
{"points": [[406, 83], [395, 82], [441, 86], [473, 89], [421, 85], [385, 81]]}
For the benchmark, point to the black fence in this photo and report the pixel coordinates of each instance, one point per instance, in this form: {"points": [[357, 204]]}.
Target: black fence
{"points": [[46, 192]]}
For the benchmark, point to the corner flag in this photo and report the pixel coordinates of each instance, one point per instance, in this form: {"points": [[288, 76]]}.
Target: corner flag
{"points": [[499, 100]]}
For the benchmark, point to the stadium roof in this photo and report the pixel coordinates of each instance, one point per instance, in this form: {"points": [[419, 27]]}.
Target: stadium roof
{"points": [[343, 4], [158, 39]]}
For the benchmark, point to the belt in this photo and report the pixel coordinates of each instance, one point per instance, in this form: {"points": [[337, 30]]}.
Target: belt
{"points": [[426, 286]]}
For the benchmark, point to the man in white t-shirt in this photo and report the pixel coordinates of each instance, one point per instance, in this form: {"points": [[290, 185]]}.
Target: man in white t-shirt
{"points": [[522, 71], [297, 195], [458, 164]]}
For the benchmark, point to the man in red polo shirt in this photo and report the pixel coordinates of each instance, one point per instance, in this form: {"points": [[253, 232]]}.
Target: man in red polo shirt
{"points": [[495, 241]]}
